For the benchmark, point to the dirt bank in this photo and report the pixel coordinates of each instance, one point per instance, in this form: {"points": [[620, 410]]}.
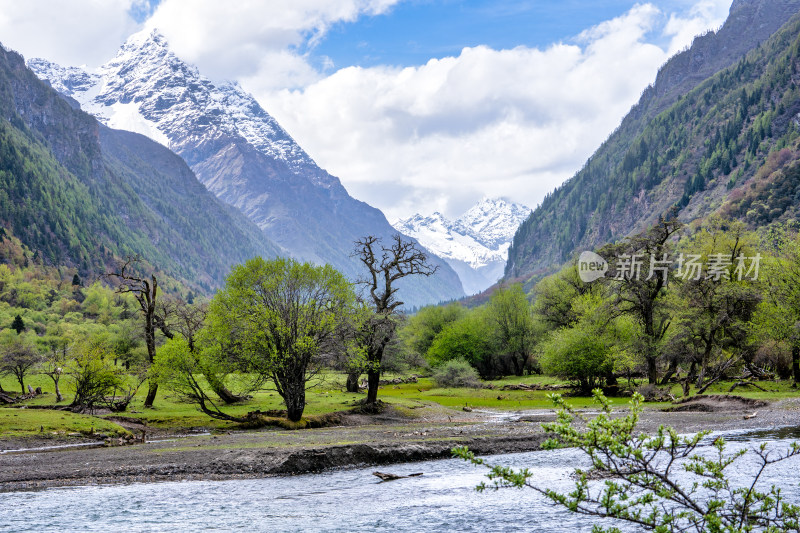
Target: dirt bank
{"points": [[364, 440]]}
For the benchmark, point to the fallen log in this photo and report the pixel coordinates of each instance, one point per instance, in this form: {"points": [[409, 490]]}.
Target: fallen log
{"points": [[744, 384], [5, 398], [391, 477]]}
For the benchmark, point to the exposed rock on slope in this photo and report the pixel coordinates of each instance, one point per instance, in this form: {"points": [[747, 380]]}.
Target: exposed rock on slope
{"points": [[239, 152]]}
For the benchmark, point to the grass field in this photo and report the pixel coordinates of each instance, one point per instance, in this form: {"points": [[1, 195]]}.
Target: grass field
{"points": [[326, 396]]}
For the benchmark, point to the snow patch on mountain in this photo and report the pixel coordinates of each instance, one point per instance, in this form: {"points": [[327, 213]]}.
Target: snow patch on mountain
{"points": [[170, 97], [239, 152], [475, 244]]}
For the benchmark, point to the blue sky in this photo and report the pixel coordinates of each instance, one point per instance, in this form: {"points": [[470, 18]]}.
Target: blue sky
{"points": [[416, 105], [415, 31], [412, 32]]}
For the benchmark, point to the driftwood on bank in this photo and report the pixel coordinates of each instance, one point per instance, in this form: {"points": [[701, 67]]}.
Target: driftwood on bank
{"points": [[5, 398], [745, 384], [391, 477], [533, 387]]}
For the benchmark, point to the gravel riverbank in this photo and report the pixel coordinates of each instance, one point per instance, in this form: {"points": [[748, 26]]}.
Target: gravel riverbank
{"points": [[361, 440]]}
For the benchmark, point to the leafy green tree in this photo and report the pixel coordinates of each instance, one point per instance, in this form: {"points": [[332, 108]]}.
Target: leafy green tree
{"points": [[639, 272], [583, 354], [715, 305], [94, 376], [553, 298], [427, 323], [470, 338], [778, 317], [182, 370], [276, 319], [509, 313], [18, 324], [641, 484], [18, 357], [188, 320]]}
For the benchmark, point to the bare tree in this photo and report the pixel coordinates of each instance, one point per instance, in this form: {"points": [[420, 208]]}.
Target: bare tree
{"points": [[385, 266], [146, 293]]}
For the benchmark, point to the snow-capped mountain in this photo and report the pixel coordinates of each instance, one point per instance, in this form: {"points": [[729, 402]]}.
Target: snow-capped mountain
{"points": [[475, 244], [238, 151]]}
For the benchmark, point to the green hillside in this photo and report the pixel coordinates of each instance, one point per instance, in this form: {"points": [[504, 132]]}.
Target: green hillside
{"points": [[79, 194], [710, 151]]}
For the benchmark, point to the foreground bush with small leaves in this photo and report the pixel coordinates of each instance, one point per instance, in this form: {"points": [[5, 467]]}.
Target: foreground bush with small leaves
{"points": [[641, 471], [456, 373]]}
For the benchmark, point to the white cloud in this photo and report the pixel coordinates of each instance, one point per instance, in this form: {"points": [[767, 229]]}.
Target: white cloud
{"points": [[489, 122], [703, 16], [432, 137], [70, 33], [251, 37]]}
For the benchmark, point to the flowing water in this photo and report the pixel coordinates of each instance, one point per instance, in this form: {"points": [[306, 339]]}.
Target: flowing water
{"points": [[441, 500]]}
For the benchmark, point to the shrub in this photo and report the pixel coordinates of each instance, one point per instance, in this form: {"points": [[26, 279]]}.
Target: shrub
{"points": [[470, 339], [456, 373], [94, 376], [578, 354]]}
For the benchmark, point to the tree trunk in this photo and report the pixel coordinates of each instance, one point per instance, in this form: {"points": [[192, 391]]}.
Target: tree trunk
{"points": [[706, 358], [58, 393], [295, 401], [22, 385], [673, 367], [352, 381], [225, 395], [151, 394], [373, 380], [692, 371], [519, 366], [150, 341], [796, 363], [652, 371], [221, 390]]}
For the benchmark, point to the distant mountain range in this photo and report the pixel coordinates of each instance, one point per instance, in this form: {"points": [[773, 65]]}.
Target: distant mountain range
{"points": [[475, 244], [239, 152], [80, 194], [718, 132]]}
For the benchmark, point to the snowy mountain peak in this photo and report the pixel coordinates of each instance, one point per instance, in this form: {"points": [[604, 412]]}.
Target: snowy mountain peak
{"points": [[238, 151], [493, 221], [146, 88], [475, 244]]}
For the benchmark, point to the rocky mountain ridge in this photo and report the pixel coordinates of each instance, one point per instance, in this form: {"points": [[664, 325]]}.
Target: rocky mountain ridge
{"points": [[475, 244], [239, 152], [697, 137]]}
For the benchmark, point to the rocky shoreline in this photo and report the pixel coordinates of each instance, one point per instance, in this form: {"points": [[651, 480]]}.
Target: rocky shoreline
{"points": [[365, 441]]}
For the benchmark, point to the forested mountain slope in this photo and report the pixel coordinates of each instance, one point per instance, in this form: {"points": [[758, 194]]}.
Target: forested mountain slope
{"points": [[240, 153], [80, 194], [697, 140]]}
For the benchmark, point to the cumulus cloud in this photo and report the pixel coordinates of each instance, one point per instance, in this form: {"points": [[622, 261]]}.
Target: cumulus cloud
{"points": [[437, 136], [512, 123], [703, 16], [71, 33], [231, 40]]}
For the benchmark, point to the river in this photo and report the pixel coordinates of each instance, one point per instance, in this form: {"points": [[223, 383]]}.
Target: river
{"points": [[441, 500]]}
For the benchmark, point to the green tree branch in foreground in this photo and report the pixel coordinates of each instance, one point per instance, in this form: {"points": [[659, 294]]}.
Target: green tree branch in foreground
{"points": [[640, 476]]}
